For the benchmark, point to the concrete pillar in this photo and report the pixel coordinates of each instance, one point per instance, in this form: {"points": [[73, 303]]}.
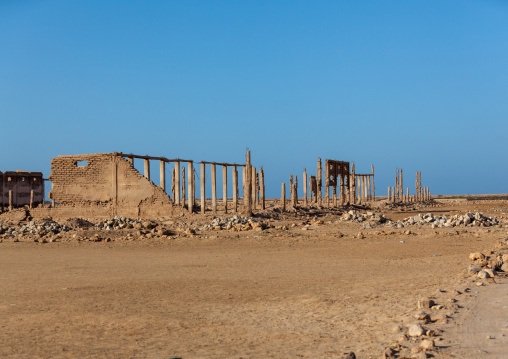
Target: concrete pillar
{"points": [[183, 186], [283, 197], [11, 201], [262, 187], [327, 184], [225, 188], [389, 194], [319, 180], [203, 188], [407, 194], [373, 184], [369, 190], [342, 191], [291, 194], [191, 185], [214, 189], [305, 201], [31, 199], [235, 189], [147, 169], [253, 187], [177, 183], [353, 184], [163, 175], [247, 190]]}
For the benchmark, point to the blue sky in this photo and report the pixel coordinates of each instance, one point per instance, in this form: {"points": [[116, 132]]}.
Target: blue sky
{"points": [[417, 85]]}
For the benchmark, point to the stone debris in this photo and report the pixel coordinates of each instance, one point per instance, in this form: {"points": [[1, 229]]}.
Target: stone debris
{"points": [[41, 229], [235, 223], [120, 222], [415, 330], [469, 219]]}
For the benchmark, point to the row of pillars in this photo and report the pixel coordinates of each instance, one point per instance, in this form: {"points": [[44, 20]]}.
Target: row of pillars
{"points": [[253, 184], [396, 194]]}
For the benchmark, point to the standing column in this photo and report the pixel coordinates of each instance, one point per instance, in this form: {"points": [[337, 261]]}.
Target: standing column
{"points": [[163, 175], [305, 187], [248, 186], [416, 187], [369, 193], [342, 190], [191, 185], [253, 188], [262, 187], [235, 189], [183, 186], [225, 187], [373, 184], [177, 183], [327, 183], [401, 184], [214, 189], [407, 194], [389, 195], [31, 199], [283, 197], [319, 181], [203, 189], [147, 169], [353, 184], [291, 193], [397, 185], [11, 204]]}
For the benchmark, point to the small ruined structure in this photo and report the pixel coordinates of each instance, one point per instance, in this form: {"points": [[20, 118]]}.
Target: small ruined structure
{"points": [[338, 175], [21, 188], [396, 194], [107, 184]]}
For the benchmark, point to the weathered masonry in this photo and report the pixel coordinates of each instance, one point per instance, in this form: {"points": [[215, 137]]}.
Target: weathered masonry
{"points": [[107, 184], [21, 188]]}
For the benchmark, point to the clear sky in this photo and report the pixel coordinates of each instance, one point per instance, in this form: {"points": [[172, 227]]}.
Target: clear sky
{"points": [[417, 85]]}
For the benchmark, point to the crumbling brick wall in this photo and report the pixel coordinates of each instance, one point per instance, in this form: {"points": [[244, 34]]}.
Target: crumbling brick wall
{"points": [[108, 183]]}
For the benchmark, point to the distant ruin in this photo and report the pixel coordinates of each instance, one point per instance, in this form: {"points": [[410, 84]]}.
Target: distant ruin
{"points": [[107, 185], [21, 188]]}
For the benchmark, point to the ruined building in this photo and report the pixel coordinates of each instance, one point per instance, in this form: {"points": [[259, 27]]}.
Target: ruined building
{"points": [[20, 188]]}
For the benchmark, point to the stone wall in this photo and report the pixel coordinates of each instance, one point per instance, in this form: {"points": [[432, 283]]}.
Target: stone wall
{"points": [[106, 185]]}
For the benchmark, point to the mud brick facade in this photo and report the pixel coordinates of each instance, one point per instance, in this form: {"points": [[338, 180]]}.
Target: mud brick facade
{"points": [[106, 185], [21, 184]]}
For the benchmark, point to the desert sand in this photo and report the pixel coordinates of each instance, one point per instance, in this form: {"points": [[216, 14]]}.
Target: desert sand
{"points": [[317, 292]]}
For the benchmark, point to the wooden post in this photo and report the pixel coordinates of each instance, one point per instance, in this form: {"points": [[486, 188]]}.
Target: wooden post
{"points": [[253, 187], [283, 197], [262, 187], [163, 175], [214, 189], [235, 189], [247, 190], [147, 169], [225, 187], [177, 183], [305, 202], [31, 199], [319, 181]]}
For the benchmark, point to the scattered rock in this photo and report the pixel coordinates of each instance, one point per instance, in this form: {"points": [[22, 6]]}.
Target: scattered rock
{"points": [[415, 330]]}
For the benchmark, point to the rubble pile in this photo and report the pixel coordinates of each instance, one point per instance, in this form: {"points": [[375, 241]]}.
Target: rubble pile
{"points": [[467, 220], [233, 223], [363, 217], [118, 222], [48, 227]]}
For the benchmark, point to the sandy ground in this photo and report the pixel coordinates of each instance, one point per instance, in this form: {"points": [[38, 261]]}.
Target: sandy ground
{"points": [[273, 293]]}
